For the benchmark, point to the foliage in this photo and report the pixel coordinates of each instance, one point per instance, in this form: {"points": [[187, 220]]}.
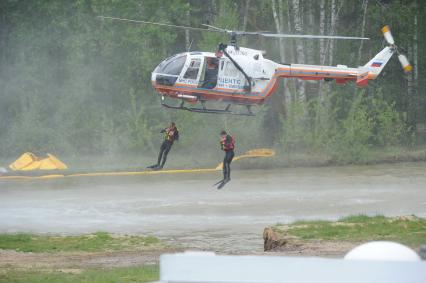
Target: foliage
{"points": [[358, 228], [121, 274], [99, 241], [344, 127]]}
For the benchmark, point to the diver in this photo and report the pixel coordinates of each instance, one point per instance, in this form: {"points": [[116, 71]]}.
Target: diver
{"points": [[227, 144], [171, 134]]}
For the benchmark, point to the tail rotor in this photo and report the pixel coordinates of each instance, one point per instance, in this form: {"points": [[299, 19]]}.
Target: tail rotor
{"points": [[406, 66]]}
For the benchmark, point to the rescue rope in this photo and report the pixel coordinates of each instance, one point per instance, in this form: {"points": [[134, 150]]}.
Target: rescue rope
{"points": [[263, 152]]}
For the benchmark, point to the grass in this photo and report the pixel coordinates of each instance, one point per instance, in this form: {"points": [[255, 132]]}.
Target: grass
{"points": [[146, 273], [100, 241], [410, 230]]}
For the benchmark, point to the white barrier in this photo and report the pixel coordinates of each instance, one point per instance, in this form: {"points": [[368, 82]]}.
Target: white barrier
{"points": [[208, 267]]}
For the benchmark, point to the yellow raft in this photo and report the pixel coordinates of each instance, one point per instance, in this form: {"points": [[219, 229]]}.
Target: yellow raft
{"points": [[29, 161]]}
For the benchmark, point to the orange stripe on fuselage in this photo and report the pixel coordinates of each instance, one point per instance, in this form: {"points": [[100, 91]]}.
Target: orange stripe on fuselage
{"points": [[259, 97], [318, 70], [351, 75]]}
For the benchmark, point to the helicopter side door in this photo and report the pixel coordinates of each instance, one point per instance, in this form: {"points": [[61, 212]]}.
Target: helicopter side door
{"points": [[192, 72], [229, 76], [209, 73]]}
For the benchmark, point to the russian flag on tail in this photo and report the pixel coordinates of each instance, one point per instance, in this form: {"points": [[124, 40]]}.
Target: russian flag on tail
{"points": [[376, 64]]}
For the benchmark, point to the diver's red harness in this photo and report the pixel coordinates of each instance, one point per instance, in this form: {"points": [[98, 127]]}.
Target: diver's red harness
{"points": [[227, 143]]}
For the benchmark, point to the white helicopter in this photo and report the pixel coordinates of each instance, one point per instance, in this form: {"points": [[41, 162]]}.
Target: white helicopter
{"points": [[242, 76]]}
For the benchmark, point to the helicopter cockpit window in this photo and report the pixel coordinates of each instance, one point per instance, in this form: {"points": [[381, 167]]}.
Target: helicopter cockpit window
{"points": [[174, 67], [193, 69]]}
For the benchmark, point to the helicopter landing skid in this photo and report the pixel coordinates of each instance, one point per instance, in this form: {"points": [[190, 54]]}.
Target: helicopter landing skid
{"points": [[211, 111]]}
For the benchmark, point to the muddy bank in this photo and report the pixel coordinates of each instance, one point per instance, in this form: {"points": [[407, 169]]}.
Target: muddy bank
{"points": [[328, 238]]}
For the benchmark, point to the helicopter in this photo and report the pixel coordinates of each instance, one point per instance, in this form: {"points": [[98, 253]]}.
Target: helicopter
{"points": [[242, 76]]}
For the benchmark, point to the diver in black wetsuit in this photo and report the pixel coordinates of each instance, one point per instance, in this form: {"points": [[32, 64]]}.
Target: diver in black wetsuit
{"points": [[227, 144], [171, 134]]}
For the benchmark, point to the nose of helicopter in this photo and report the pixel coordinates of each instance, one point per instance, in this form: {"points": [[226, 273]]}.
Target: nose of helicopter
{"points": [[167, 72]]}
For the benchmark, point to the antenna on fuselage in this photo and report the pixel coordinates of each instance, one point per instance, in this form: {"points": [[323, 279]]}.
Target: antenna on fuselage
{"points": [[189, 46]]}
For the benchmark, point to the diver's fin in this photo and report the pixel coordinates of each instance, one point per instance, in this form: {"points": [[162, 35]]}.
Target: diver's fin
{"points": [[156, 168], [221, 181]]}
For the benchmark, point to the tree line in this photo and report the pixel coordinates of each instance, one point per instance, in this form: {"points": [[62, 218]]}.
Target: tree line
{"points": [[73, 84]]}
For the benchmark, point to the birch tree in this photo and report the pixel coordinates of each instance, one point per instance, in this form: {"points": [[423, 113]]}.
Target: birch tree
{"points": [[333, 21], [278, 25], [188, 23], [415, 55], [310, 46], [412, 77], [298, 27], [278, 20], [245, 18], [322, 49], [364, 16]]}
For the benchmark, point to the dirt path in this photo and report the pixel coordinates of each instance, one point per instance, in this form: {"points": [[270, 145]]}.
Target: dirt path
{"points": [[335, 249], [76, 261]]}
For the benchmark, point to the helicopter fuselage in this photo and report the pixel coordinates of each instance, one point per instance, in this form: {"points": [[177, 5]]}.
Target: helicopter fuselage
{"points": [[243, 76], [202, 76]]}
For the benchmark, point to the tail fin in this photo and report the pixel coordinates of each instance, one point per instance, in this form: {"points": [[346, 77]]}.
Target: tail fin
{"points": [[379, 61]]}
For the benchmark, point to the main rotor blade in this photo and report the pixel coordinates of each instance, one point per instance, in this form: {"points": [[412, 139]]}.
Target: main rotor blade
{"points": [[237, 32], [158, 24], [215, 28], [283, 35]]}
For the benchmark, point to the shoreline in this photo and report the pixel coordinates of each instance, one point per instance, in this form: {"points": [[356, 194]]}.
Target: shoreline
{"points": [[47, 253], [279, 161]]}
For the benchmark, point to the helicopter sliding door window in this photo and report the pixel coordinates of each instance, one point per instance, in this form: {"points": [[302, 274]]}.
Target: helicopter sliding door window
{"points": [[192, 71], [230, 77], [231, 70]]}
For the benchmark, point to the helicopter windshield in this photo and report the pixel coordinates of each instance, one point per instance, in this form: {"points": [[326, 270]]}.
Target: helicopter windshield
{"points": [[171, 66]]}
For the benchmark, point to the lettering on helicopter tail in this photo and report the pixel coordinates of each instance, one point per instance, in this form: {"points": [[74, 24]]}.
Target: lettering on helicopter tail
{"points": [[376, 64]]}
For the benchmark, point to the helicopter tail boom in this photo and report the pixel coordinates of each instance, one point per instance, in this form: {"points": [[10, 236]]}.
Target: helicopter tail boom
{"points": [[342, 74]]}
